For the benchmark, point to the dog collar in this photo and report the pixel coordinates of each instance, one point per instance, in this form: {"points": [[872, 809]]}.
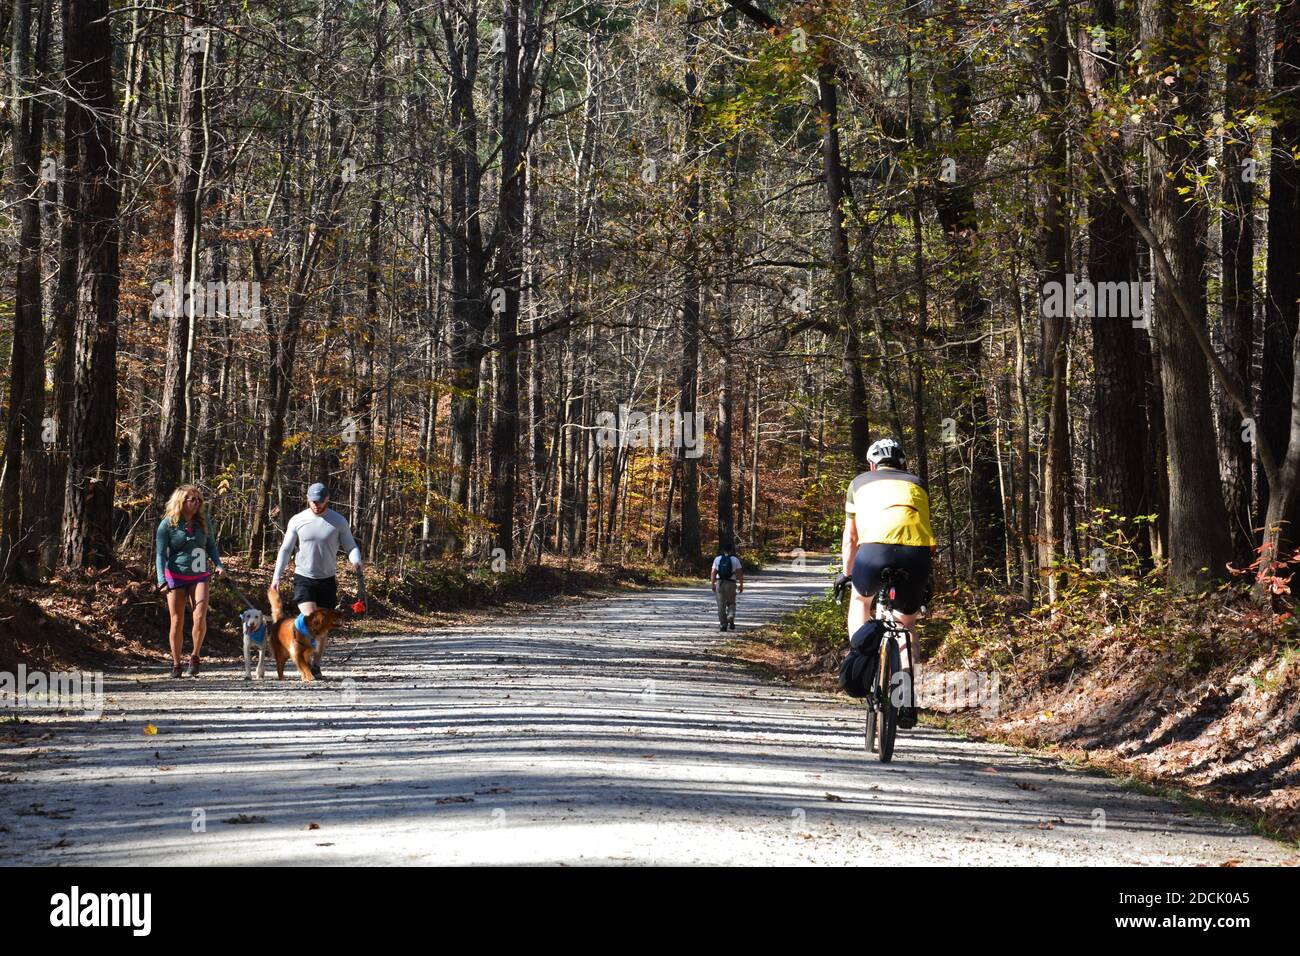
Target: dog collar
{"points": [[300, 625]]}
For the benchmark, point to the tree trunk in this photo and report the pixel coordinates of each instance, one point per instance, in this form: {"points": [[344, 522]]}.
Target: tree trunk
{"points": [[1054, 242], [688, 544], [1198, 528], [185, 309], [22, 483], [726, 506], [519, 55], [88, 498], [1118, 349], [1238, 323], [837, 195], [1282, 305]]}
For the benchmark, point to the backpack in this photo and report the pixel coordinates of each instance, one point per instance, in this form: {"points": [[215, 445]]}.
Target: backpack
{"points": [[725, 570]]}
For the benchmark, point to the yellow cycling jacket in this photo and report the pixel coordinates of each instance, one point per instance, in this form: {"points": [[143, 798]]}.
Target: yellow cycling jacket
{"points": [[890, 507]]}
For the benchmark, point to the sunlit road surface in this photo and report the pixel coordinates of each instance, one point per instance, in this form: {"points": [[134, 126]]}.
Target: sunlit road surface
{"points": [[611, 731]]}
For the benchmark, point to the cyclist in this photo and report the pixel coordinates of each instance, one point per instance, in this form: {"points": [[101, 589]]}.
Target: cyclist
{"points": [[887, 525]]}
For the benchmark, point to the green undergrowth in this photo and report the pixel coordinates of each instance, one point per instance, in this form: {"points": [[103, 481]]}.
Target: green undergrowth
{"points": [[1184, 633], [453, 587], [1187, 633]]}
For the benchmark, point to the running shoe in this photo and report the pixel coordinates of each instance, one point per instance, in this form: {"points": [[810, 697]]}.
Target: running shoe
{"points": [[194, 666]]}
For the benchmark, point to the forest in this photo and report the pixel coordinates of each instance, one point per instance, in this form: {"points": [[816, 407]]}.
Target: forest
{"points": [[627, 281]]}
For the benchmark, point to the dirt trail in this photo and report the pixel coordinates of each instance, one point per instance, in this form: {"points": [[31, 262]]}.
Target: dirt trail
{"points": [[611, 731]]}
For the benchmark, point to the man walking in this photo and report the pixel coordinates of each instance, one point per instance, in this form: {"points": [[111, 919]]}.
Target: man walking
{"points": [[318, 533], [728, 579]]}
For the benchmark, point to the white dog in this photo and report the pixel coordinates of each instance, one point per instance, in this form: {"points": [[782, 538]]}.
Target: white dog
{"points": [[253, 624]]}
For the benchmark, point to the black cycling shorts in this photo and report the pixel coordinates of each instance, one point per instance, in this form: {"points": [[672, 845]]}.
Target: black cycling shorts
{"points": [[871, 559], [323, 592]]}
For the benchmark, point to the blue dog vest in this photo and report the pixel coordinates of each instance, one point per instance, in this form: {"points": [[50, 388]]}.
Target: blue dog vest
{"points": [[259, 635], [300, 625]]}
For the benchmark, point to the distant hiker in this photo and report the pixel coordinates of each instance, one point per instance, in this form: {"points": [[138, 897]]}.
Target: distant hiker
{"points": [[728, 579], [186, 556], [317, 533]]}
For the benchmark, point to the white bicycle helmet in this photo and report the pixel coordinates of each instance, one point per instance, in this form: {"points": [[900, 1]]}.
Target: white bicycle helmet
{"points": [[886, 450]]}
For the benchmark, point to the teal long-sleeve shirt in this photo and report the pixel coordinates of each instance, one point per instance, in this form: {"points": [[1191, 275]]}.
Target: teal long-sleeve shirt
{"points": [[185, 550]]}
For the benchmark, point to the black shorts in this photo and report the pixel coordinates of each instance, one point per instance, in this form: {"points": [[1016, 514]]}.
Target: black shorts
{"points": [[323, 592], [871, 559]]}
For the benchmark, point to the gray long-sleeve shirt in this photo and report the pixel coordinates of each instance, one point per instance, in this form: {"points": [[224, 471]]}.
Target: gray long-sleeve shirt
{"points": [[318, 539]]}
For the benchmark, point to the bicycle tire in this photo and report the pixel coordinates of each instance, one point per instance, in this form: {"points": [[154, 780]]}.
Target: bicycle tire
{"points": [[871, 725], [888, 723]]}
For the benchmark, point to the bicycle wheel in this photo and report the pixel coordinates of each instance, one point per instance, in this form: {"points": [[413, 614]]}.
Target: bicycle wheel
{"points": [[888, 722], [871, 725]]}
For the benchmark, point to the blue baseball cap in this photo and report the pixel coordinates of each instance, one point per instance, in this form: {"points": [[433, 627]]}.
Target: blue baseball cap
{"points": [[317, 492]]}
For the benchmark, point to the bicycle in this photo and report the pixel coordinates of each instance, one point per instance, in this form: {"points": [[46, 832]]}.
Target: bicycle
{"points": [[891, 684]]}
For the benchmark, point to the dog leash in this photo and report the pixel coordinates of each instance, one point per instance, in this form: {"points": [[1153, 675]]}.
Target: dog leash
{"points": [[359, 606], [231, 584], [361, 594]]}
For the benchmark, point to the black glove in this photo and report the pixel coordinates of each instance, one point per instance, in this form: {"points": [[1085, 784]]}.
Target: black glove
{"points": [[842, 583]]}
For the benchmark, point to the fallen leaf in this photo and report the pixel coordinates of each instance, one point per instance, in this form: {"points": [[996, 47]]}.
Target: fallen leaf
{"points": [[835, 798], [313, 826], [150, 730]]}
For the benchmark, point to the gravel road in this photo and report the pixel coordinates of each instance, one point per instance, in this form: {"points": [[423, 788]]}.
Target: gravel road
{"points": [[604, 731]]}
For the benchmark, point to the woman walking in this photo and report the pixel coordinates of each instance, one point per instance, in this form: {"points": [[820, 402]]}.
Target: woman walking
{"points": [[186, 557]]}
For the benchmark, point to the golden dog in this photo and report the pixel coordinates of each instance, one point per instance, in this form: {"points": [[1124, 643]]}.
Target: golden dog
{"points": [[287, 639]]}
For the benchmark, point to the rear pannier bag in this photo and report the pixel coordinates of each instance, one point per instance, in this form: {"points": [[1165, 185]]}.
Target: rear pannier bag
{"points": [[859, 667]]}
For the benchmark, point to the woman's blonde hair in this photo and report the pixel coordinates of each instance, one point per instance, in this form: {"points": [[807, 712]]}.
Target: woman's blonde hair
{"points": [[177, 502]]}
